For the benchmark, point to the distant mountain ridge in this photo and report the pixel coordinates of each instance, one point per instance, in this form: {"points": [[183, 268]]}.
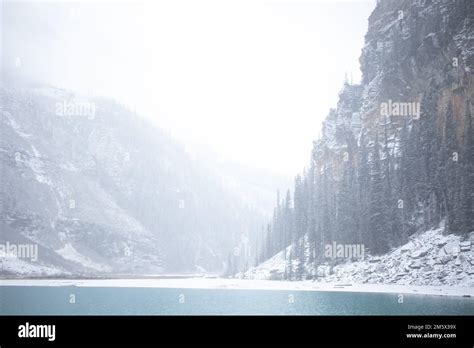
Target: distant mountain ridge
{"points": [[100, 190]]}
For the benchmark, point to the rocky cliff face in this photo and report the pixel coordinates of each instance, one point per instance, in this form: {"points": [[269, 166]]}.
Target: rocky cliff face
{"points": [[417, 81], [396, 156], [414, 48]]}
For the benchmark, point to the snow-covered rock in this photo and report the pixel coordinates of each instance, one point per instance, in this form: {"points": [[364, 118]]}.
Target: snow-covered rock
{"points": [[452, 248], [430, 258], [465, 246]]}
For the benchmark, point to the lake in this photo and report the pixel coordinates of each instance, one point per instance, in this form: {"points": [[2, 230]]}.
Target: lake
{"points": [[73, 300]]}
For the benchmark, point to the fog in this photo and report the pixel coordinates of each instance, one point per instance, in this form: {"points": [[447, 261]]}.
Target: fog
{"points": [[249, 80]]}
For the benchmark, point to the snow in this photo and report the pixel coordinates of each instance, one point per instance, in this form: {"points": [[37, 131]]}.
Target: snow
{"points": [[36, 164], [402, 271], [428, 259], [70, 253], [16, 127], [23, 268], [36, 153], [244, 284], [70, 167], [268, 269]]}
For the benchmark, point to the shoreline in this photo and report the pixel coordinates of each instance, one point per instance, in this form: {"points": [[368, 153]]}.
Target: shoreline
{"points": [[246, 284]]}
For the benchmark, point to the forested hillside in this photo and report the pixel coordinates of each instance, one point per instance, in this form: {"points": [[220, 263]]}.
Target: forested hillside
{"points": [[396, 156], [100, 190]]}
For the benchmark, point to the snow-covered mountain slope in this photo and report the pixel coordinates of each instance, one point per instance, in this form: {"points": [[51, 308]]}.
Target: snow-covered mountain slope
{"points": [[429, 258], [98, 189]]}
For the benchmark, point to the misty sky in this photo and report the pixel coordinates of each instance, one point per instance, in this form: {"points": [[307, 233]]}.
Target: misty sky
{"points": [[251, 80]]}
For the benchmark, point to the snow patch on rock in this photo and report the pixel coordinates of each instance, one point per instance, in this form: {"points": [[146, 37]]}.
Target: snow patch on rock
{"points": [[429, 258], [70, 253]]}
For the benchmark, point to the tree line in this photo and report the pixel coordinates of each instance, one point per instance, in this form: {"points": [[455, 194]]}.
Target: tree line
{"points": [[400, 177]]}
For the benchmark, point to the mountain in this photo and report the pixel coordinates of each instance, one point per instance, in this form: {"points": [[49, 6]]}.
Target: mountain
{"points": [[395, 157], [99, 190]]}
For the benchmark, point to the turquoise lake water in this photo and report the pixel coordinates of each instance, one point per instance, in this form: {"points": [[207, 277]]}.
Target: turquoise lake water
{"points": [[39, 300]]}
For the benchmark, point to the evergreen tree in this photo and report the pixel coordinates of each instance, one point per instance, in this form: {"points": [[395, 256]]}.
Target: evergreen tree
{"points": [[448, 167], [467, 189], [377, 204], [289, 264], [363, 189], [288, 226]]}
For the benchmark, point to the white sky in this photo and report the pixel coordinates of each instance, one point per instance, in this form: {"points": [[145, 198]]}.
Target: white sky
{"points": [[249, 79]]}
